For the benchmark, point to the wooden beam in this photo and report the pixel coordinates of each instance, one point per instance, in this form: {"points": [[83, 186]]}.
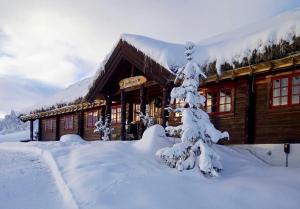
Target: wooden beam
{"points": [[31, 129], [123, 115]]}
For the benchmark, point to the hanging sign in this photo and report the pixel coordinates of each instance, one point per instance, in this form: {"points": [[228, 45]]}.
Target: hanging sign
{"points": [[132, 81]]}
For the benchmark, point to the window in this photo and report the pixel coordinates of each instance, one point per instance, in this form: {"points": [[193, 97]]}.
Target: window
{"points": [[68, 122], [280, 91], [92, 118], [116, 114], [285, 90], [49, 126], [136, 112], [219, 101], [179, 103], [296, 89]]}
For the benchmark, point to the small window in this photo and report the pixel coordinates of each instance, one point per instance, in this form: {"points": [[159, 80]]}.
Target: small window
{"points": [[285, 90], [68, 122], [92, 118], [280, 91], [116, 114], [219, 101], [49, 126], [296, 90]]}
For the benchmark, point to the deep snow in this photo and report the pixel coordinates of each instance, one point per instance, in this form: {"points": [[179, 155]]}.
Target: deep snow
{"points": [[26, 183], [117, 174]]}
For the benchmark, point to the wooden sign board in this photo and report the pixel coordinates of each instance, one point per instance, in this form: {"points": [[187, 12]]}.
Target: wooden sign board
{"points": [[132, 81]]}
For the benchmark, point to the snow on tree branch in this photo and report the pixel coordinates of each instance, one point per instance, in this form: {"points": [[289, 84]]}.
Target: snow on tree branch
{"points": [[104, 128]]}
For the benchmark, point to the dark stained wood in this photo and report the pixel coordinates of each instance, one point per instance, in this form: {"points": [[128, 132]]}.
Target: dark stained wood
{"points": [[108, 101], [40, 132], [250, 117], [80, 116], [57, 135], [31, 129], [123, 115], [165, 95]]}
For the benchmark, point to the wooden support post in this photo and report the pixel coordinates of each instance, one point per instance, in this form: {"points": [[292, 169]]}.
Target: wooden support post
{"points": [[31, 129], [164, 104], [102, 114], [123, 115], [80, 116], [250, 119], [142, 109], [130, 112], [40, 130], [57, 131]]}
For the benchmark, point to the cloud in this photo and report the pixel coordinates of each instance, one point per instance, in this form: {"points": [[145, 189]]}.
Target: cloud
{"points": [[17, 93], [58, 42]]}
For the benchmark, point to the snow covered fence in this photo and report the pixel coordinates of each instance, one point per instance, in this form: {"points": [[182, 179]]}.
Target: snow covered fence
{"points": [[274, 154], [49, 159]]}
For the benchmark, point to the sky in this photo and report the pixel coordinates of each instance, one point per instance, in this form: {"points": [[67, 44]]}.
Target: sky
{"points": [[46, 45]]}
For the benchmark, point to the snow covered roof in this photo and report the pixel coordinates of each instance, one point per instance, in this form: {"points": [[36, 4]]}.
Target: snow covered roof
{"points": [[67, 96], [225, 48]]}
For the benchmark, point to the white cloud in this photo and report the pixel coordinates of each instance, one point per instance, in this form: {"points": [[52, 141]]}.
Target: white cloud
{"points": [[61, 41]]}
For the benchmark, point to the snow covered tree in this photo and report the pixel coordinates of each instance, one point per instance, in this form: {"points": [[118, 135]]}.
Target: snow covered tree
{"points": [[104, 128], [198, 134]]}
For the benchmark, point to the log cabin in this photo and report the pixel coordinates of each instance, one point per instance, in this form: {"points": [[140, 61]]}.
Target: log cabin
{"points": [[257, 100]]}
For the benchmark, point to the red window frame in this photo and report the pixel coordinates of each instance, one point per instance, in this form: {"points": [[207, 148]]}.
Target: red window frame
{"points": [[116, 114], [49, 125], [218, 100], [291, 90], [91, 118], [69, 122]]}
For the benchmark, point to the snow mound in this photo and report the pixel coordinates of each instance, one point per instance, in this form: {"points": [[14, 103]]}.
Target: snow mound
{"points": [[72, 139], [153, 139]]}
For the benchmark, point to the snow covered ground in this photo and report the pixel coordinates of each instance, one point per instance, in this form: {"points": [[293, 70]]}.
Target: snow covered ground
{"points": [[26, 183], [126, 175]]}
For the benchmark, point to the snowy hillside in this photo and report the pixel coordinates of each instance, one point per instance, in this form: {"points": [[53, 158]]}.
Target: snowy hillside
{"points": [[11, 123], [126, 175]]}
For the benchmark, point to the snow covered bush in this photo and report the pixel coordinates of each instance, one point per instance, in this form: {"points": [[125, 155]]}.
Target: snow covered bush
{"points": [[147, 120], [198, 134], [104, 129]]}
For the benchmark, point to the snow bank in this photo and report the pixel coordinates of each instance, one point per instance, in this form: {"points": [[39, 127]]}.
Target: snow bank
{"points": [[70, 139], [153, 139], [15, 137]]}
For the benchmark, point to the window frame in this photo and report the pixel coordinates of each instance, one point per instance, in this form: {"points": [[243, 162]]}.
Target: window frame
{"points": [[118, 114], [217, 90], [136, 114], [66, 125], [289, 91], [92, 112]]}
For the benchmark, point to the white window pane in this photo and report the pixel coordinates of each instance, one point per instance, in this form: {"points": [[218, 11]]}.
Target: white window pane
{"points": [[222, 100], [295, 99], [283, 100], [296, 80], [276, 83], [222, 94], [208, 102], [222, 108], [284, 82], [276, 101], [284, 91], [276, 92], [228, 107], [228, 99], [296, 90]]}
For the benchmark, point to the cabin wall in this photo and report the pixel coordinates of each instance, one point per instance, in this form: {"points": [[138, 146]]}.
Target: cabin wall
{"points": [[63, 131], [235, 121], [88, 132], [274, 125], [48, 135]]}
